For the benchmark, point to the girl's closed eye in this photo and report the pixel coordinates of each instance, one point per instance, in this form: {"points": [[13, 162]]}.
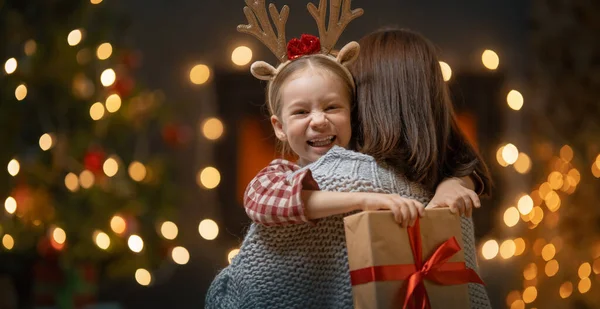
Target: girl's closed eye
{"points": [[299, 112]]}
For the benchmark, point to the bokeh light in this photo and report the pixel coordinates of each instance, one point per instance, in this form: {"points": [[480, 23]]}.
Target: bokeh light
{"points": [[489, 250], [242, 55], [208, 229], [490, 59], [208, 178], [212, 128], [199, 74], [446, 71], [514, 100]]}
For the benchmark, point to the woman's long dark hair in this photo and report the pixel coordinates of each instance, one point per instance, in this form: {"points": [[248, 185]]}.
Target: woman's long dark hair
{"points": [[404, 112]]}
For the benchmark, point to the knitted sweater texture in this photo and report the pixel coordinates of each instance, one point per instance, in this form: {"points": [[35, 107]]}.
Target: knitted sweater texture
{"points": [[306, 265]]}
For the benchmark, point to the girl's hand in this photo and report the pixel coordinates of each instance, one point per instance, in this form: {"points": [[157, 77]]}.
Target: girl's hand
{"points": [[453, 193], [406, 211]]}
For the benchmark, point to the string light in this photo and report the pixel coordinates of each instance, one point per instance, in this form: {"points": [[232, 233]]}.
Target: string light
{"points": [[566, 289], [75, 37], [71, 182], [548, 252], [30, 47], [529, 294], [507, 249], [97, 111], [212, 128], [135, 243], [113, 103], [59, 235], [169, 230], [180, 255], [21, 92], [137, 171], [511, 216], [208, 178], [446, 71], [499, 157], [86, 179], [232, 254], [585, 270], [143, 277], [489, 250], [525, 204], [490, 59], [523, 163], [199, 74], [510, 153], [102, 240], [520, 246], [530, 271], [46, 141], [8, 242], [110, 167], [551, 268], [555, 179], [104, 51], [584, 285], [518, 304], [208, 229], [514, 100], [13, 167], [10, 66], [10, 205], [241, 56], [108, 77], [117, 224]]}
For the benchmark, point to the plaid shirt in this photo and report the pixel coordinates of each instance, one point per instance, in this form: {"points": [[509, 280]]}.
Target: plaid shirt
{"points": [[272, 198]]}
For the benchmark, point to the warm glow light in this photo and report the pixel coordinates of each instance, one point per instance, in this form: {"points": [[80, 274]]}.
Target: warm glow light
{"points": [[499, 157], [525, 204], [490, 59], [529, 294], [95, 1], [209, 178], [199, 74], [180, 255], [585, 270], [523, 163], [520, 246], [596, 170], [86, 179], [553, 201], [514, 100], [169, 230], [537, 215], [108, 77], [10, 205], [512, 297], [555, 179], [59, 235], [8, 242], [137, 171], [21, 92], [30, 47], [510, 153], [574, 174], [584, 285], [212, 128], [75, 37], [71, 182], [10, 66], [530, 271], [538, 245], [104, 51], [242, 55], [143, 277], [102, 240], [566, 153], [566, 289], [446, 71], [110, 167], [507, 249], [97, 111], [551, 268], [208, 229], [548, 252], [118, 225], [490, 249], [46, 141], [517, 304], [113, 103], [511, 216], [135, 243], [597, 266], [232, 254], [544, 190], [13, 167]]}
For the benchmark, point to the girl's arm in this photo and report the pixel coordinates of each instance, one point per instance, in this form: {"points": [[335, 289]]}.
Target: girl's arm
{"points": [[273, 198]]}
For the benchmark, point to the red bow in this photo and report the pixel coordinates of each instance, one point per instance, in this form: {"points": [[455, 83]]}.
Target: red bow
{"points": [[306, 45], [436, 269]]}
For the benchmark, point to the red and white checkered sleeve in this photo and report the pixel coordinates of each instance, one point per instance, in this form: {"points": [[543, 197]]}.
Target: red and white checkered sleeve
{"points": [[273, 199]]}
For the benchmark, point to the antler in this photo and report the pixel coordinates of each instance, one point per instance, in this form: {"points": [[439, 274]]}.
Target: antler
{"points": [[336, 24], [264, 32]]}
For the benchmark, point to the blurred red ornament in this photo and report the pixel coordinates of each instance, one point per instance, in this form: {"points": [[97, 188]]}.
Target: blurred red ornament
{"points": [[176, 135], [93, 160], [131, 59], [123, 86]]}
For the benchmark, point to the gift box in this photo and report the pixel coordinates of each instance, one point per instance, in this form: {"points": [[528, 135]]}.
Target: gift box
{"points": [[416, 267]]}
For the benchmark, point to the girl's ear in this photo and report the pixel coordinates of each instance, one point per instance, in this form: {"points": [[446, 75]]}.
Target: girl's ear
{"points": [[278, 128], [263, 70], [348, 54]]}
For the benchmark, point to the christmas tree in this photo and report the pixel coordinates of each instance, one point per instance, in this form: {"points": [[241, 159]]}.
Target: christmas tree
{"points": [[84, 148]]}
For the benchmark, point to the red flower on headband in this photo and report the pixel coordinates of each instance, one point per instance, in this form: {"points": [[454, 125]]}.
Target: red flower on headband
{"points": [[306, 45]]}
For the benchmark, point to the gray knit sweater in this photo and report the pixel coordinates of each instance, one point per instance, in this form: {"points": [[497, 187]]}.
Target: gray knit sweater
{"points": [[306, 265]]}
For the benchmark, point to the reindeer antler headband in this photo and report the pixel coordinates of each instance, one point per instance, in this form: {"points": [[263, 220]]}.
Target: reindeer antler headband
{"points": [[260, 27]]}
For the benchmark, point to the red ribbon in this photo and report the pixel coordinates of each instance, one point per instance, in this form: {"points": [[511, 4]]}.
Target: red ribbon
{"points": [[437, 269]]}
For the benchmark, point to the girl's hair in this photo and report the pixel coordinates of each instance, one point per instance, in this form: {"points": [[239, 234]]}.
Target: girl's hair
{"points": [[310, 62], [314, 62], [404, 113]]}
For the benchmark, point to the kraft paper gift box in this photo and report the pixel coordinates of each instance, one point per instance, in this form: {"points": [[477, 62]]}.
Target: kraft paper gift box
{"points": [[384, 268]]}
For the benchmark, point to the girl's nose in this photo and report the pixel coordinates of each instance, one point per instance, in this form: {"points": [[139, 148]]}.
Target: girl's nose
{"points": [[318, 120]]}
